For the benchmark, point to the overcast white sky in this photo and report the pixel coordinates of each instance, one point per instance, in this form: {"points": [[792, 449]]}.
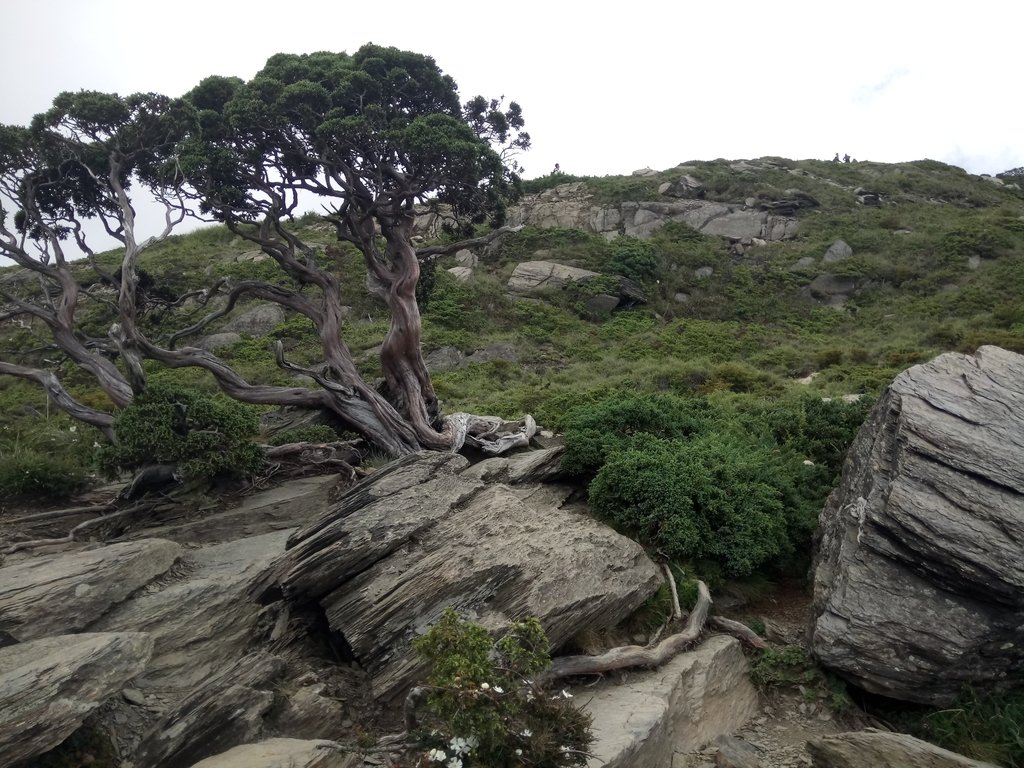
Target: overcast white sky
{"points": [[605, 87]]}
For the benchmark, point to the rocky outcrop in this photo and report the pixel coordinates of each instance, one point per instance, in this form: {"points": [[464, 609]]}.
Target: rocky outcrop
{"points": [[49, 686], [225, 711], [685, 186], [677, 708], [202, 620], [881, 749], [418, 537], [918, 575], [571, 206], [65, 593]]}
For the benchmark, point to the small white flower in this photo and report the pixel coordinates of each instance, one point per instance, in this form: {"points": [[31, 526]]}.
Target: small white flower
{"points": [[485, 686], [96, 445], [498, 689], [73, 428], [437, 755], [455, 762], [461, 746], [566, 694], [527, 733], [519, 752]]}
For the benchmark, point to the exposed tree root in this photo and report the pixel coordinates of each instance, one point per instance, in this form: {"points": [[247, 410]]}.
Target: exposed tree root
{"points": [[55, 514], [78, 529]]}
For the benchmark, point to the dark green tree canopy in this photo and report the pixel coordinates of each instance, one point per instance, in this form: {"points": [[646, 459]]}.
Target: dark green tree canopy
{"points": [[375, 132]]}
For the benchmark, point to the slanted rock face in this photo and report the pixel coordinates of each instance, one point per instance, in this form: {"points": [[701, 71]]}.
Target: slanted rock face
{"points": [[58, 594], [918, 575], [418, 537]]}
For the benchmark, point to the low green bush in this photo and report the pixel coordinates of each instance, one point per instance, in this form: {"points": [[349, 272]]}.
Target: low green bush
{"points": [[206, 435], [712, 498], [485, 707]]}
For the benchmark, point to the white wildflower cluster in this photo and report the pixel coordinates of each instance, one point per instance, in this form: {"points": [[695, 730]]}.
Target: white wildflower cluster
{"points": [[451, 757]]}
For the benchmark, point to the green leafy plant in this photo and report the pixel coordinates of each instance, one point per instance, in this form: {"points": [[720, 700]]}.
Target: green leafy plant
{"points": [[485, 706], [206, 435], [983, 726]]}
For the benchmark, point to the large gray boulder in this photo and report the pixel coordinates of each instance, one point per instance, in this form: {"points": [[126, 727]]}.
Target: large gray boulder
{"points": [[418, 537], [881, 749], [49, 686], [257, 321], [918, 574], [695, 697], [534, 276], [65, 593]]}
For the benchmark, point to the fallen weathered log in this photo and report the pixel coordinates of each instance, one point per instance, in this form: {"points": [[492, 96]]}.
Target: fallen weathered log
{"points": [[627, 656], [738, 630]]}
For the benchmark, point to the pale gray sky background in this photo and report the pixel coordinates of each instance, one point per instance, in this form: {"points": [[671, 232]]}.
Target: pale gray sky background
{"points": [[605, 87]]}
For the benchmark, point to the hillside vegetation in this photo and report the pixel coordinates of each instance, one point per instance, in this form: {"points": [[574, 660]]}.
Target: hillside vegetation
{"points": [[717, 369]]}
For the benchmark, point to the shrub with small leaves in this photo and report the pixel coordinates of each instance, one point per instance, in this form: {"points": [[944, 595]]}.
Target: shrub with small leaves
{"points": [[314, 433], [206, 435], [485, 707]]}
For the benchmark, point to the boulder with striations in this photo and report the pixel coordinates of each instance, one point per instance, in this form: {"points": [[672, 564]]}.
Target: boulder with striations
{"points": [[49, 686], [918, 574]]}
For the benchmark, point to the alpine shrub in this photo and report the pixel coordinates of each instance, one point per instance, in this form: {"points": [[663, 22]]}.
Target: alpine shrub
{"points": [[206, 435]]}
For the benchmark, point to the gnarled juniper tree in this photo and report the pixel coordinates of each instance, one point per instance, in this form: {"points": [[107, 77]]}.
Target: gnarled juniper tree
{"points": [[371, 136]]}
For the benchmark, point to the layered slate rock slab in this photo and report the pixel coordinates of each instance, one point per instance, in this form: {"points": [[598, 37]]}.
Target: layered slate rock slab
{"points": [[679, 707], [918, 576], [881, 749], [202, 621], [65, 593], [418, 537], [282, 753], [284, 507], [49, 686]]}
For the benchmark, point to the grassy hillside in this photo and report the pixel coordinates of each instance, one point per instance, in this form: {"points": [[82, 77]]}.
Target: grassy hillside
{"points": [[938, 266]]}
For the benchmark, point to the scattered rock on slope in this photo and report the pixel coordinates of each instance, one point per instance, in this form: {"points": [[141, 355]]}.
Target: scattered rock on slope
{"points": [[918, 575]]}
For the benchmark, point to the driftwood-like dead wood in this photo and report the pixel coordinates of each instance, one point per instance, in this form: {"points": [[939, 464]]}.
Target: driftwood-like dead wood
{"points": [[677, 612], [78, 529], [627, 656], [738, 630], [55, 514]]}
